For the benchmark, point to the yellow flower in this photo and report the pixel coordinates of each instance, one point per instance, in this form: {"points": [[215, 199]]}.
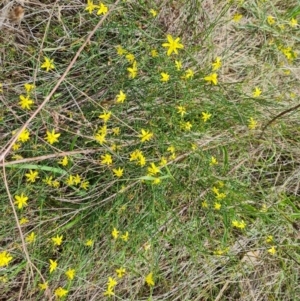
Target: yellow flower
{"points": [[220, 184], [53, 265], [52, 137], [173, 45], [105, 116], [220, 196], [116, 131], [149, 279], [70, 273], [16, 146], [171, 149], [121, 50], [153, 169], [84, 185], [269, 239], [132, 70], [270, 20], [77, 179], [205, 116], [21, 200], [213, 161], [64, 161], [156, 181], [103, 9], [237, 17], [90, 6], [293, 22], [257, 91], [118, 172], [5, 258], [17, 157], [142, 160], [264, 208], [135, 155], [217, 206], [154, 53], [57, 240], [272, 250], [48, 64], [109, 292], [289, 53], [101, 138], [43, 286], [24, 136], [204, 204], [48, 180], [186, 125], [31, 176], [30, 237], [106, 159], [189, 73], [153, 12], [70, 180], [25, 102], [103, 130], [212, 78], [130, 57], [24, 221], [163, 161], [1, 86], [28, 88], [220, 252], [125, 236], [147, 246], [115, 147], [111, 282], [121, 97], [217, 64], [164, 77], [60, 292], [178, 65], [120, 272], [239, 224], [115, 233], [215, 190], [55, 184], [89, 243], [145, 135], [252, 124]]}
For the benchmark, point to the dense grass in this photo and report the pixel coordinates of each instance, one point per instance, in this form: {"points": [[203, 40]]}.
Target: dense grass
{"points": [[207, 206]]}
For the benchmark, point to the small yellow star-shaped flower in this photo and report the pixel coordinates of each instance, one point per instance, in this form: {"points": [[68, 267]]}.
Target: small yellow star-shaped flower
{"points": [[52, 137], [103, 9], [212, 78], [25, 102], [48, 64], [21, 200], [145, 135], [121, 97], [173, 45], [57, 240]]}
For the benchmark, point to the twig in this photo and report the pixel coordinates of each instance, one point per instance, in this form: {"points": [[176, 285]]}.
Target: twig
{"points": [[220, 295], [276, 117], [50, 156]]}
